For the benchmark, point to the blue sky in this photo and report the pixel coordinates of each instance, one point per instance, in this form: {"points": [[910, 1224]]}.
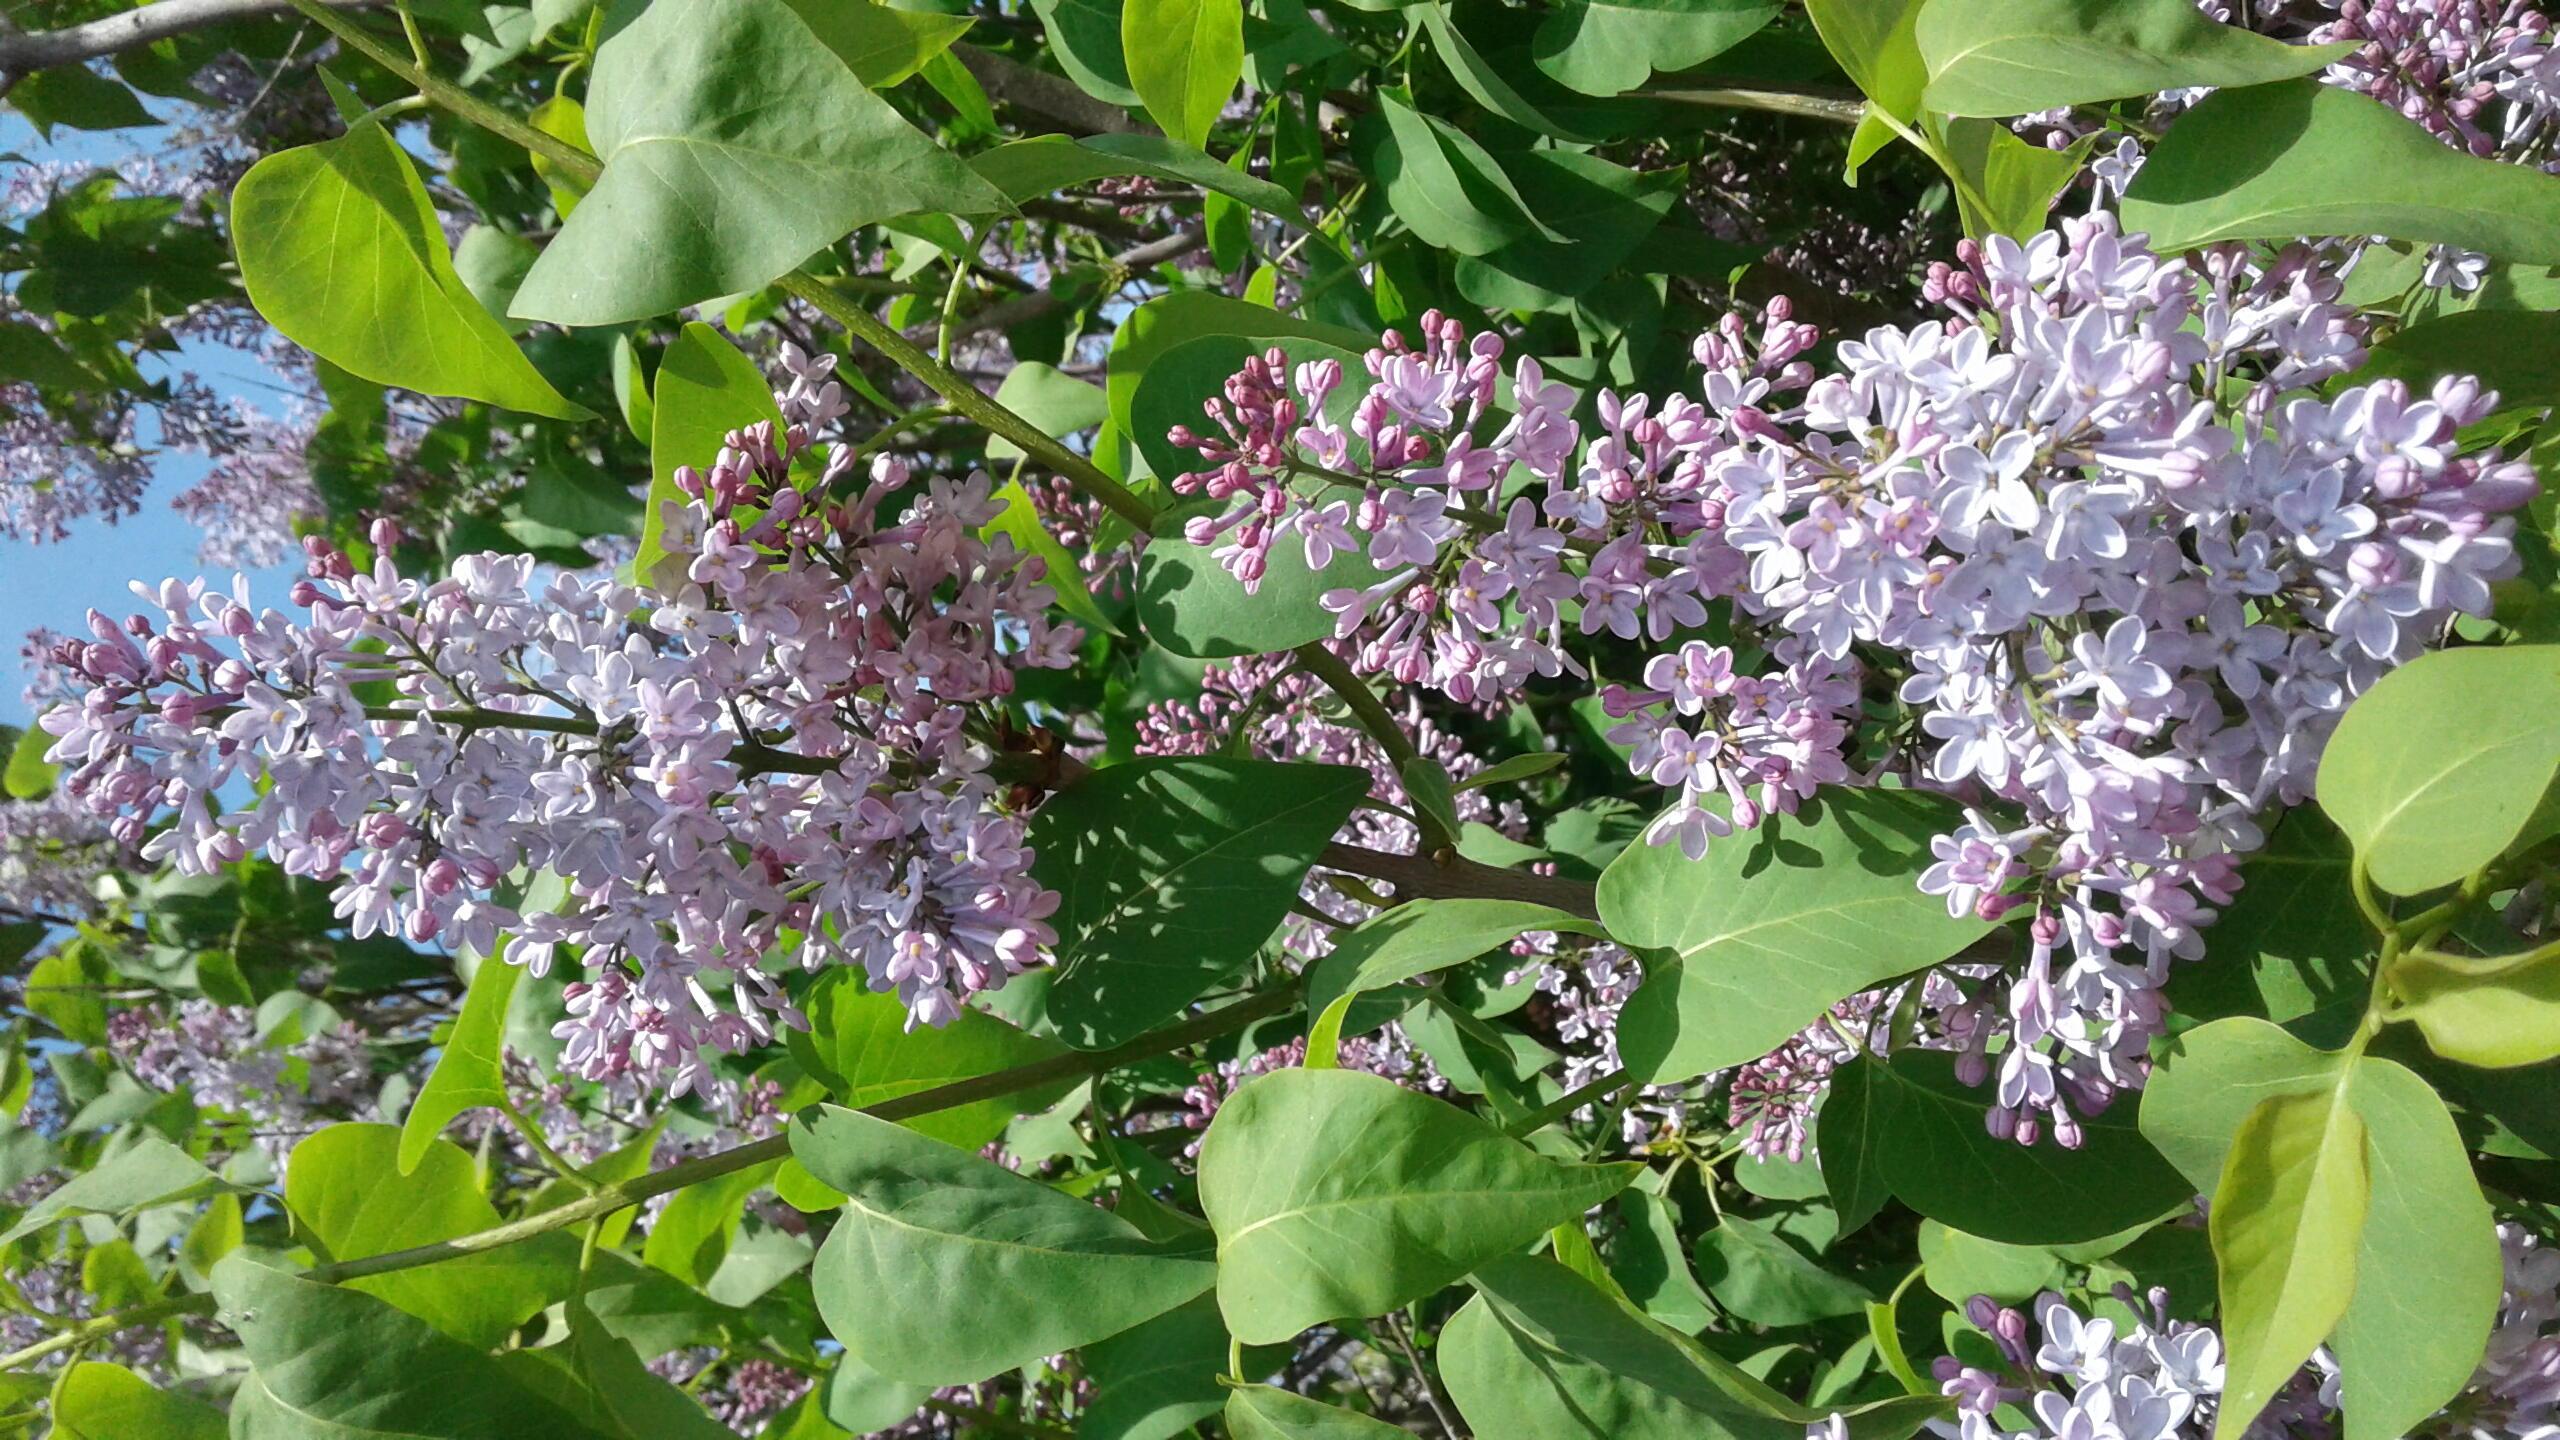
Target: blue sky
{"points": [[55, 585]]}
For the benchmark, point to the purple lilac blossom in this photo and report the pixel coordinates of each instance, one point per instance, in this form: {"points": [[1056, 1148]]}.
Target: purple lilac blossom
{"points": [[771, 733], [2121, 559]]}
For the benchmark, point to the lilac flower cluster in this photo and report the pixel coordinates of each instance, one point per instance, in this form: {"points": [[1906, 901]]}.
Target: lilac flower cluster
{"points": [[2082, 1377], [52, 853], [2482, 75], [211, 1053], [773, 734], [2148, 1377], [2121, 563]]}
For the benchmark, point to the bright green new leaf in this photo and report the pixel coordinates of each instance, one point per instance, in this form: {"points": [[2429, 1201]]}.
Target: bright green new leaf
{"points": [[328, 1362], [149, 1172], [1959, 1266], [2008, 186], [29, 775], [1170, 874], [945, 1269], [691, 1237], [1874, 42], [735, 145], [467, 1074], [2492, 1013], [2286, 1219], [883, 46], [109, 1402], [2425, 813], [1184, 59], [2413, 1333], [1608, 47], [705, 389], [1020, 523], [1338, 1194], [858, 1043], [1259, 1412], [346, 1189], [1776, 925], [1423, 935], [2014, 57], [2273, 162], [341, 250]]}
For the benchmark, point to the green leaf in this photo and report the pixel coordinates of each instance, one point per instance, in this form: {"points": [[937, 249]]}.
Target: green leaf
{"points": [[1184, 59], [2285, 1222], [611, 1389], [1650, 1261], [1019, 522], [882, 46], [346, 1190], [65, 990], [109, 1402], [328, 1362], [1758, 1276], [1478, 77], [989, 1269], [1155, 328], [2013, 57], [2413, 1333], [1084, 38], [1776, 925], [1336, 1194], [1608, 47], [1873, 41], [862, 1399], [1029, 169], [1259, 1412], [704, 390], [2494, 1013], [468, 1072], [1158, 1380], [2274, 162], [1423, 935], [1910, 1128], [1605, 211], [2514, 352], [1170, 874], [341, 250], [2427, 814], [149, 1172], [691, 1237], [1446, 188], [78, 97], [1959, 1266], [858, 1043], [1541, 1351], [735, 145], [2014, 182], [29, 776], [27, 353], [1059, 403], [2292, 942]]}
